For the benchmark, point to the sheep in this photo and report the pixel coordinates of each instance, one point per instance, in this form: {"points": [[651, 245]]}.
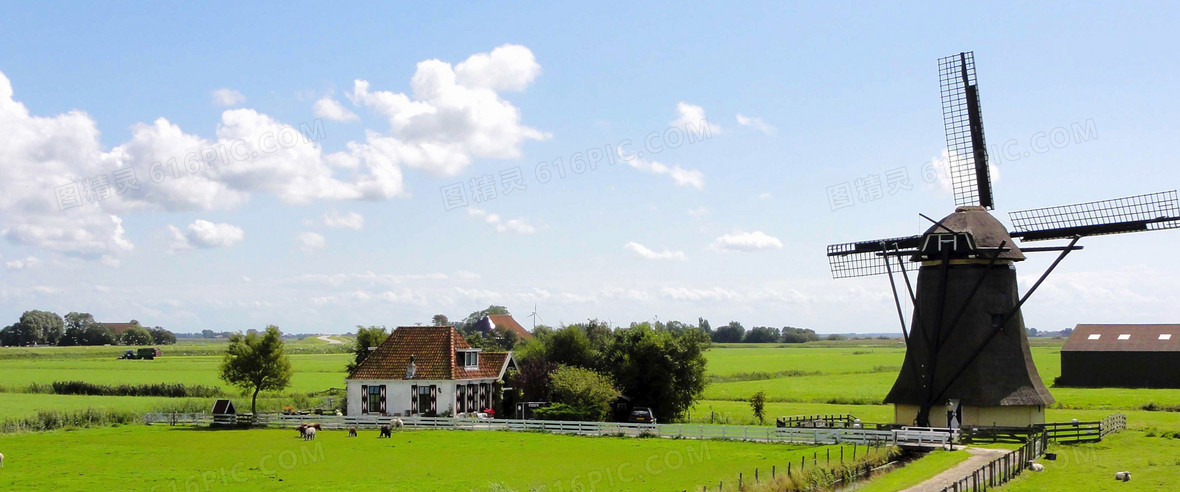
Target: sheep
{"points": [[397, 424], [385, 432], [1123, 476], [304, 427], [310, 433], [352, 432], [1037, 467], [1, 460]]}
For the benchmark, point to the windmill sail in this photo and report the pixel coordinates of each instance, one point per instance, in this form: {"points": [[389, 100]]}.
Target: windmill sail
{"points": [[1150, 212], [963, 122], [866, 258]]}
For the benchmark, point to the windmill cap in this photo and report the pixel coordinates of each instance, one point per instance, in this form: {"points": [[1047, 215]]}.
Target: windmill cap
{"points": [[985, 229]]}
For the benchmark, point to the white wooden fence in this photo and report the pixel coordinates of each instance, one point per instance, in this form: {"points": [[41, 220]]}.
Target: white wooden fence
{"points": [[911, 437]]}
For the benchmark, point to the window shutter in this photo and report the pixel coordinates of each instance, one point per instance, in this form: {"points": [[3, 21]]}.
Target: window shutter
{"points": [[471, 398], [459, 399], [483, 396], [383, 410], [364, 399], [434, 399], [413, 399]]}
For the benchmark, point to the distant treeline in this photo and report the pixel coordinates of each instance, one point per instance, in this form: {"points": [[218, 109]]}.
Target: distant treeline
{"points": [[47, 328], [734, 332]]}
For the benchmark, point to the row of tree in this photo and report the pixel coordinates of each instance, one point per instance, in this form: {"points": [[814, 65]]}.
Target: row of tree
{"points": [[47, 328], [734, 332]]}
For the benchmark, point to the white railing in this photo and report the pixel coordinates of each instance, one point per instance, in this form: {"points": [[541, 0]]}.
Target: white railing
{"points": [[925, 437]]}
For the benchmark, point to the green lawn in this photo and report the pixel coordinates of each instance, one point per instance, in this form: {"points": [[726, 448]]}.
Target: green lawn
{"points": [[1154, 463], [188, 459], [917, 471], [22, 404]]}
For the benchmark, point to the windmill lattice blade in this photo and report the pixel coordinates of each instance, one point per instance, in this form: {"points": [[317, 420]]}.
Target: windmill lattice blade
{"points": [[1150, 212], [865, 258], [963, 122]]}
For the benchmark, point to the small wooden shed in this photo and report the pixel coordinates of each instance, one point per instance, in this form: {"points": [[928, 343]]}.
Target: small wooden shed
{"points": [[224, 413]]}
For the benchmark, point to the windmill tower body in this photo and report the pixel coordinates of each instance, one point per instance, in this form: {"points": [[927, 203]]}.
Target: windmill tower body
{"points": [[966, 286]]}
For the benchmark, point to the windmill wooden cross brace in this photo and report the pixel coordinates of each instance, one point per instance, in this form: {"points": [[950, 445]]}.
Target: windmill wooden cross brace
{"points": [[967, 346]]}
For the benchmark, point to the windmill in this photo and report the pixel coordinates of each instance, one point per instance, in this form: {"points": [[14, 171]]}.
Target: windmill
{"points": [[966, 346], [534, 315]]}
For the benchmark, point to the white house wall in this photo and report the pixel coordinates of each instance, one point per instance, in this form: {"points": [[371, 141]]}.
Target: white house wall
{"points": [[397, 394]]}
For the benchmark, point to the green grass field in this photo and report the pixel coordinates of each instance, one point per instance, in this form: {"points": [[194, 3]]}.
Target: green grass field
{"points": [[917, 471], [815, 378], [165, 459]]}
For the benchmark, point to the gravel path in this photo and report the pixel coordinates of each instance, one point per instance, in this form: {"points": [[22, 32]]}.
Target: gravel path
{"points": [[979, 457]]}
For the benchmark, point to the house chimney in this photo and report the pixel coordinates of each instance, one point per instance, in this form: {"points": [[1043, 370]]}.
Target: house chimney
{"points": [[412, 368]]}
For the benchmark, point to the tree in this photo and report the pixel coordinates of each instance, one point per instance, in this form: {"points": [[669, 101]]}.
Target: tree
{"points": [[256, 363], [660, 369], [440, 320], [703, 324], [372, 336], [758, 404], [799, 335], [731, 333], [39, 327], [161, 336], [97, 334], [532, 379], [208, 334], [8, 336], [762, 334], [584, 390], [136, 335], [570, 346]]}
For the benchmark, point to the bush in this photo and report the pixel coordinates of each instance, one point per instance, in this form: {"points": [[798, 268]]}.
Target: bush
{"points": [[562, 411], [53, 420], [167, 390], [584, 389]]}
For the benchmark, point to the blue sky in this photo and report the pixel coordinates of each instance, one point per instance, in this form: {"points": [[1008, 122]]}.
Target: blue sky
{"points": [[350, 226]]}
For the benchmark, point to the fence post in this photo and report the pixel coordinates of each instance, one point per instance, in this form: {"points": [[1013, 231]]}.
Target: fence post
{"points": [[772, 470]]}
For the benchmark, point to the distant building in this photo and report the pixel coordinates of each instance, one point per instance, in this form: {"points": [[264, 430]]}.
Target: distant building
{"points": [[426, 370], [1131, 356], [117, 329], [504, 321]]}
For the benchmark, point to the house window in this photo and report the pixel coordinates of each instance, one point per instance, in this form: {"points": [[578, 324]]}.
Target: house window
{"points": [[1125, 336], [374, 399], [1094, 336], [471, 359], [424, 399], [1165, 336]]}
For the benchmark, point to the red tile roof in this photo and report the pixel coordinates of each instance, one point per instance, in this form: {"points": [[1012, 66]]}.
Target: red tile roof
{"points": [[433, 349], [506, 322], [117, 328], [1139, 338]]}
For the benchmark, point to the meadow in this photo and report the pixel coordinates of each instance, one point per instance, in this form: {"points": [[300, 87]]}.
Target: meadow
{"points": [[815, 378], [177, 459]]}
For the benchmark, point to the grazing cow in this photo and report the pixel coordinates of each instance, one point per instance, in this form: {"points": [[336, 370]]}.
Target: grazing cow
{"points": [[1123, 476], [309, 434], [352, 432], [385, 432]]}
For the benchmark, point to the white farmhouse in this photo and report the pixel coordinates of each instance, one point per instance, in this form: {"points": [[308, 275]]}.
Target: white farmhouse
{"points": [[425, 370]]}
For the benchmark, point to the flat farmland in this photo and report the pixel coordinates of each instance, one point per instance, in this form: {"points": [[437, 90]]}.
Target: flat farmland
{"points": [[173, 458]]}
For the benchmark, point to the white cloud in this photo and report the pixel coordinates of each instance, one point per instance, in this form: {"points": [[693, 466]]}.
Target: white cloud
{"points": [[692, 119], [698, 212], [697, 295], [453, 114], [645, 252], [227, 97], [28, 262], [755, 123], [310, 241], [347, 220], [765, 196], [682, 177], [329, 108], [746, 241], [205, 235], [518, 225]]}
